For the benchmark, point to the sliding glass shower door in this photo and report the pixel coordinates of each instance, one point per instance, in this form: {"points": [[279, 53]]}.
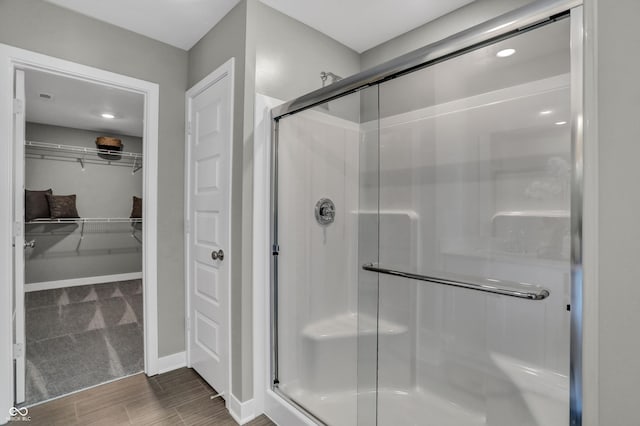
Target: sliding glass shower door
{"points": [[473, 263], [424, 241]]}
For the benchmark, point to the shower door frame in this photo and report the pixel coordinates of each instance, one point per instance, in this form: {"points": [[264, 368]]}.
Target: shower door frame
{"points": [[521, 20]]}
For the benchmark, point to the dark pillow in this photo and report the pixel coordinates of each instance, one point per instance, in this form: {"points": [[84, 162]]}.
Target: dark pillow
{"points": [[62, 206], [136, 211], [36, 205]]}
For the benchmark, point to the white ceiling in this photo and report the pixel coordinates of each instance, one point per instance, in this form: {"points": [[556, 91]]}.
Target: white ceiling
{"points": [[358, 24], [180, 23], [79, 104], [363, 24]]}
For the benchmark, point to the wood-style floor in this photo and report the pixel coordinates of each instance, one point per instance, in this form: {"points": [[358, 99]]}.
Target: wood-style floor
{"points": [[180, 397]]}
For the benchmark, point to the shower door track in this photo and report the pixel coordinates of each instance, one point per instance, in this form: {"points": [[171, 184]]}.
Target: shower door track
{"points": [[513, 23]]}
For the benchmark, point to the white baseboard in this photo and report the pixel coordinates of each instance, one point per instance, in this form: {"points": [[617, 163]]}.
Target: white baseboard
{"points": [[172, 362], [49, 285], [242, 412]]}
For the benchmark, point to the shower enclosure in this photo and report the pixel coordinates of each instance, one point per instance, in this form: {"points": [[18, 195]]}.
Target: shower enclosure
{"points": [[426, 233]]}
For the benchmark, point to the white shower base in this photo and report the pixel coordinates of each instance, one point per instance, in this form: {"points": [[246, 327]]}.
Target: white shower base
{"points": [[329, 381], [545, 395], [328, 389], [417, 407]]}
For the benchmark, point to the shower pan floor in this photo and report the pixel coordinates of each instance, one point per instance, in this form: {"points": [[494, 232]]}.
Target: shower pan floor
{"points": [[417, 407], [541, 395]]}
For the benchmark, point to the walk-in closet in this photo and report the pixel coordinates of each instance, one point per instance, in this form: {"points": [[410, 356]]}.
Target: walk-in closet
{"points": [[83, 181]]}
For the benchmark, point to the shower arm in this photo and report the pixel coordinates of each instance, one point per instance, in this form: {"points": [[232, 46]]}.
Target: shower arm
{"points": [[324, 75], [501, 287]]}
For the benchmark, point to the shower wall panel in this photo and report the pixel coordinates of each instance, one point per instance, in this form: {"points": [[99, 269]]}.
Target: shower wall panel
{"points": [[318, 158]]}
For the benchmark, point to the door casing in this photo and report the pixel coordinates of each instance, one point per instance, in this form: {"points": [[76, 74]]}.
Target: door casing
{"points": [[12, 58], [19, 337]]}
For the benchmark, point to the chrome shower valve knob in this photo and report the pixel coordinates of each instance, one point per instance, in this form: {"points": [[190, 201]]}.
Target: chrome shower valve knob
{"points": [[325, 211]]}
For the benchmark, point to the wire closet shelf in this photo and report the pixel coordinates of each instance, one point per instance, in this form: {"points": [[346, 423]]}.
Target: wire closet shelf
{"points": [[83, 155], [86, 225], [86, 220]]}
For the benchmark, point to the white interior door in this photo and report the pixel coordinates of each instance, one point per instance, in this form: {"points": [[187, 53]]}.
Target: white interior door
{"points": [[208, 208], [18, 242]]}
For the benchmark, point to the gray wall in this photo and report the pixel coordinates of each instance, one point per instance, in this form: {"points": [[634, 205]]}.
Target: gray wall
{"points": [[227, 40], [101, 191], [45, 28], [224, 41], [454, 22], [618, 68], [290, 55]]}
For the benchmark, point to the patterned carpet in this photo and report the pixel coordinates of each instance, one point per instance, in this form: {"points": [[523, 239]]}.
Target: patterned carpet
{"points": [[78, 337]]}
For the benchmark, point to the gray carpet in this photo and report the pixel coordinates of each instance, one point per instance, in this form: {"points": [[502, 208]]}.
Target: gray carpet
{"points": [[79, 337]]}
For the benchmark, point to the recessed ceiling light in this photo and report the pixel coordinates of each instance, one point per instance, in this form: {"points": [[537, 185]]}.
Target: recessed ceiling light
{"points": [[546, 112], [560, 123], [107, 115], [505, 52]]}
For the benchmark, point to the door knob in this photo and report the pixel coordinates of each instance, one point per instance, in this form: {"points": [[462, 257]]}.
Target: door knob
{"points": [[217, 255], [30, 244]]}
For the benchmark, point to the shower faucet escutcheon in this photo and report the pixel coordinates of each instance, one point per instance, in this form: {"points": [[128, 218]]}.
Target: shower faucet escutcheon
{"points": [[325, 211]]}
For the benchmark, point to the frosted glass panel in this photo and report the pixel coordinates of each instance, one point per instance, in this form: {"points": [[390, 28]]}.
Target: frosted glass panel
{"points": [[475, 164]]}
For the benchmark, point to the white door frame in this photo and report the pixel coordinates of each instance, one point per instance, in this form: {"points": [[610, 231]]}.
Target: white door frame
{"points": [[12, 58], [227, 68], [19, 338], [261, 252], [265, 400]]}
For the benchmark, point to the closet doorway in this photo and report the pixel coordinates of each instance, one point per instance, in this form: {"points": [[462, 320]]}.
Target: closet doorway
{"points": [[82, 201]]}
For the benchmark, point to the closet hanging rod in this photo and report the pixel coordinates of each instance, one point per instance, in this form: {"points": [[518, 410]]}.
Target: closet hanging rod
{"points": [[80, 149], [504, 288], [83, 161], [86, 220]]}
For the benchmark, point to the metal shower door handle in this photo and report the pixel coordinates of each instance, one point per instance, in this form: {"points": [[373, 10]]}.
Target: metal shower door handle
{"points": [[505, 288], [217, 255]]}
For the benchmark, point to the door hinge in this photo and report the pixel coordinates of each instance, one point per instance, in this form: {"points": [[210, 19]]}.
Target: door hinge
{"points": [[189, 128], [18, 106], [18, 350], [188, 320], [275, 250], [187, 226], [18, 228]]}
